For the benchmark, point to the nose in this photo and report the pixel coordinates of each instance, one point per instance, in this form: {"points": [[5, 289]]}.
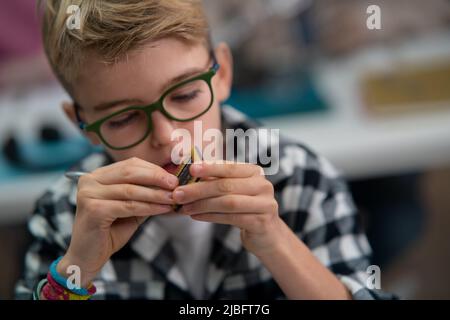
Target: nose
{"points": [[162, 130]]}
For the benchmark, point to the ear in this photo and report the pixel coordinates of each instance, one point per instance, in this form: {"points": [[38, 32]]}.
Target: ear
{"points": [[223, 80], [69, 110]]}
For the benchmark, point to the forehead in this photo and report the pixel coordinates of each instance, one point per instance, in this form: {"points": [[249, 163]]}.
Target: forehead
{"points": [[139, 75]]}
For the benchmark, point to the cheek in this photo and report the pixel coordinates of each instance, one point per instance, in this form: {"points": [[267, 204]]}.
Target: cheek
{"points": [[118, 155], [93, 138], [211, 120]]}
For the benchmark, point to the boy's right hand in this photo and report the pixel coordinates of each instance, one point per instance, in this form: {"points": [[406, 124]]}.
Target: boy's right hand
{"points": [[112, 202]]}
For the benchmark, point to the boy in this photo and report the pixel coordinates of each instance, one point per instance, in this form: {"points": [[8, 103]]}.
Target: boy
{"points": [[137, 71]]}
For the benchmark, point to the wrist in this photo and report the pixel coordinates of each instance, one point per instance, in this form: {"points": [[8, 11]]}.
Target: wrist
{"points": [[63, 268], [276, 241]]}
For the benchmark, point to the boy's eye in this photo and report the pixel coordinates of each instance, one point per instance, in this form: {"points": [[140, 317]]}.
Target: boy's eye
{"points": [[123, 119], [185, 96]]}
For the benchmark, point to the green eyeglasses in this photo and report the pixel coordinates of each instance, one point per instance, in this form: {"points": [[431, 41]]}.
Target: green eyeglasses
{"points": [[182, 102]]}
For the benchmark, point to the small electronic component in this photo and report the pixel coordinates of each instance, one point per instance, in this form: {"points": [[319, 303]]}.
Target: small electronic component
{"points": [[183, 174]]}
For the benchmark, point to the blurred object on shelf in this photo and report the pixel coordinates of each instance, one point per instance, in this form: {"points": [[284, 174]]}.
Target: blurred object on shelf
{"points": [[292, 93], [273, 42], [365, 146], [268, 82], [237, 21], [341, 25], [252, 27], [35, 135], [22, 60], [25, 157], [22, 74], [407, 88], [19, 29]]}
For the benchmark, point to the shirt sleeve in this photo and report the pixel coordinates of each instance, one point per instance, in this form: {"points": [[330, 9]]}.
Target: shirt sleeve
{"points": [[328, 223]]}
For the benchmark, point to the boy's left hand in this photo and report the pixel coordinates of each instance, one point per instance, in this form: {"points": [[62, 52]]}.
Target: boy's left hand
{"points": [[237, 194]]}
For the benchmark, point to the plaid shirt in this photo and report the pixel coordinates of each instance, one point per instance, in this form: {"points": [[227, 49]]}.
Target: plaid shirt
{"points": [[313, 201]]}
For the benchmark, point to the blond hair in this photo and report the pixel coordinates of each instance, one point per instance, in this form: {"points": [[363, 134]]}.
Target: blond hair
{"points": [[113, 28]]}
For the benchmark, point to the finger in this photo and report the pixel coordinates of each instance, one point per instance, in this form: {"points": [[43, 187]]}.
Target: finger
{"points": [[133, 162], [228, 203], [253, 222], [141, 220], [135, 193], [154, 176], [218, 187], [114, 209], [225, 170]]}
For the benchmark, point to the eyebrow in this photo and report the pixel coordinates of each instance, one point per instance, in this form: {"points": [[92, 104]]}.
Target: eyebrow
{"points": [[185, 75]]}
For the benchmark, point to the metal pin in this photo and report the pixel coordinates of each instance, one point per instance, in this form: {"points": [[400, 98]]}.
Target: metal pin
{"points": [[74, 175]]}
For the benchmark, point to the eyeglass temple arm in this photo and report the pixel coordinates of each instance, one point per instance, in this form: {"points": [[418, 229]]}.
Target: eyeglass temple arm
{"points": [[215, 65], [81, 123]]}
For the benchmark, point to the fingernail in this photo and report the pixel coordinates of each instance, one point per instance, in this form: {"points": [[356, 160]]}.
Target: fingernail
{"points": [[172, 181], [178, 195]]}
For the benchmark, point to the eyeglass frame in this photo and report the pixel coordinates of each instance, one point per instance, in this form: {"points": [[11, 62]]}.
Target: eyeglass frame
{"points": [[158, 105]]}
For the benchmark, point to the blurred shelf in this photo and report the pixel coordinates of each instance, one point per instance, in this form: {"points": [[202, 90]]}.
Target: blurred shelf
{"points": [[361, 145]]}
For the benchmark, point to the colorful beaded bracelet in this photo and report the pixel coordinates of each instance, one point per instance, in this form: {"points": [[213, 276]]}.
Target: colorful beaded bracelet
{"points": [[59, 279]]}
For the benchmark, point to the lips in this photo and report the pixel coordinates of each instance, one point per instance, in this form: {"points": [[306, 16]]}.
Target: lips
{"points": [[170, 167]]}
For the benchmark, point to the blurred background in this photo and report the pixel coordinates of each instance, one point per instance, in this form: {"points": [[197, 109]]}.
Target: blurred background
{"points": [[375, 102]]}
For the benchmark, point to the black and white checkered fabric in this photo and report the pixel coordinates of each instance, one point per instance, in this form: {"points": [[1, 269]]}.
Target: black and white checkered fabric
{"points": [[313, 200]]}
